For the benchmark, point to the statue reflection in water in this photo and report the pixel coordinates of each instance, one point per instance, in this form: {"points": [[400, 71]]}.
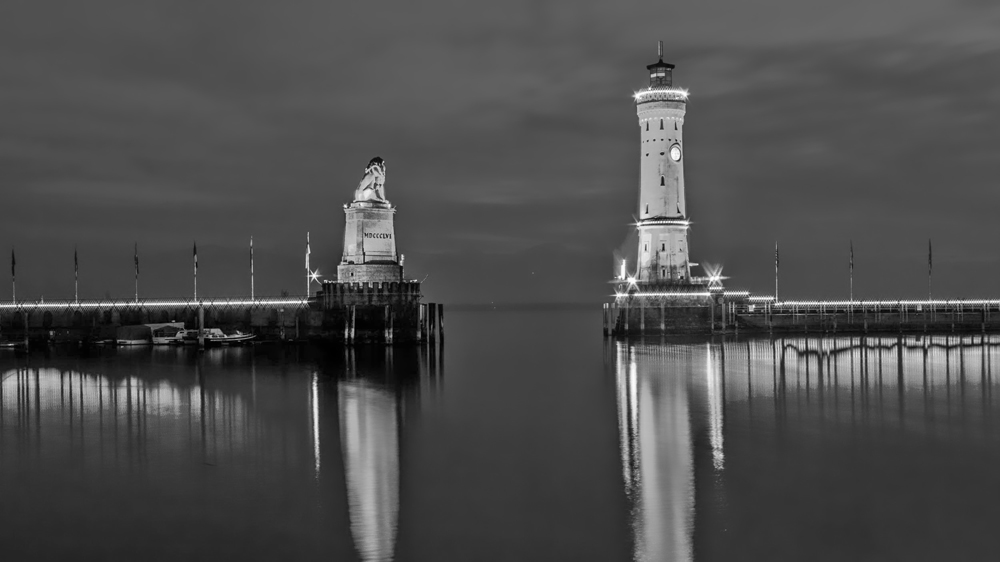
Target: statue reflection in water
{"points": [[677, 402], [283, 414], [376, 395]]}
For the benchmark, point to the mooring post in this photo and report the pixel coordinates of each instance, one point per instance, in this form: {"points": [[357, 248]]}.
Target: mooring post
{"points": [[420, 322], [201, 325], [642, 317], [711, 313], [604, 323], [431, 324], [388, 323], [663, 318], [352, 318], [347, 326], [440, 314]]}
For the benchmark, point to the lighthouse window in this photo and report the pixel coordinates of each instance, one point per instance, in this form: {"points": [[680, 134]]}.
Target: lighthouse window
{"points": [[647, 208], [645, 247], [662, 181], [647, 125], [675, 125], [663, 247], [661, 124]]}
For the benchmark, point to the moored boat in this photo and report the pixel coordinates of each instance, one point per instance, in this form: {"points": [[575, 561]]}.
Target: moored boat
{"points": [[134, 335], [215, 336], [167, 334]]}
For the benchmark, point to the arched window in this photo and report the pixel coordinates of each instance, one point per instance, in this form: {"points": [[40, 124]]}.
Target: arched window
{"points": [[661, 124], [647, 125], [662, 181]]}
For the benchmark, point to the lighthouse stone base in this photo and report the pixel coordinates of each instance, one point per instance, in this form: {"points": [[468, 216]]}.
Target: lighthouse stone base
{"points": [[666, 308]]}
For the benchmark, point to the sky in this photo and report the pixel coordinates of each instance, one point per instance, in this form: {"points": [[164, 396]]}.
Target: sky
{"points": [[510, 138]]}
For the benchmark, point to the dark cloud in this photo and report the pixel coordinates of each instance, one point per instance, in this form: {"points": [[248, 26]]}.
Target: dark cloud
{"points": [[510, 139]]}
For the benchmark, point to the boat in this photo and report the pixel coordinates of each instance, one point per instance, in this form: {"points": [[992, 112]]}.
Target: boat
{"points": [[134, 335], [167, 334], [186, 337], [215, 336]]}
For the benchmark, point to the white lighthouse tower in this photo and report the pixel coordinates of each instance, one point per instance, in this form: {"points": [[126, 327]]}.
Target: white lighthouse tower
{"points": [[663, 223]]}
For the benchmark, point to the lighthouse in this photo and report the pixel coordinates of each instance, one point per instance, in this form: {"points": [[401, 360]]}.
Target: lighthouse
{"points": [[663, 224]]}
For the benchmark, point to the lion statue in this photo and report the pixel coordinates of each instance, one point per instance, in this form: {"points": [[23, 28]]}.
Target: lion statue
{"points": [[372, 185]]}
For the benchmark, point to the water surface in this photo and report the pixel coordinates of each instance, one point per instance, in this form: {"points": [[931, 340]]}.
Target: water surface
{"points": [[527, 437]]}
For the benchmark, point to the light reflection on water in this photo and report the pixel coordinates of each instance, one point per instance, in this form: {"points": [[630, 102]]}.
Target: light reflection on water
{"points": [[159, 413], [540, 449], [681, 406], [370, 437]]}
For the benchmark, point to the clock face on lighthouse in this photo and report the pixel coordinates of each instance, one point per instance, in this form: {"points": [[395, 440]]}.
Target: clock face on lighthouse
{"points": [[675, 153]]}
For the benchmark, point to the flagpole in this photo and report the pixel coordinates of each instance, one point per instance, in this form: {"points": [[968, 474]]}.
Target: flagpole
{"points": [[13, 284], [308, 271], [930, 267], [136, 258], [196, 271], [251, 269], [776, 271], [76, 277], [852, 272]]}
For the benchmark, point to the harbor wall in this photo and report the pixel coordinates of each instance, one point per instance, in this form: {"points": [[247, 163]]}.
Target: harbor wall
{"points": [[372, 312], [721, 314]]}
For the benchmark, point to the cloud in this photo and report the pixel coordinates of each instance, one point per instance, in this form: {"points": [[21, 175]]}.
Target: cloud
{"points": [[509, 134]]}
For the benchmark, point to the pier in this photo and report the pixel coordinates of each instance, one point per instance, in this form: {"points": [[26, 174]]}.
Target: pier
{"points": [[340, 313], [737, 312]]}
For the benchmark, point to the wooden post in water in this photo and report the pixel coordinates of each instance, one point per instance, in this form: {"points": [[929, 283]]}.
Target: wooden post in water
{"points": [[420, 322], [440, 314], [663, 319], [604, 323], [201, 326], [352, 318], [642, 317], [388, 323], [347, 326], [431, 324]]}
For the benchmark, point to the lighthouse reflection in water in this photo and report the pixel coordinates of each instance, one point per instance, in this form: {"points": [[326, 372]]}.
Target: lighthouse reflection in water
{"points": [[662, 407], [764, 449]]}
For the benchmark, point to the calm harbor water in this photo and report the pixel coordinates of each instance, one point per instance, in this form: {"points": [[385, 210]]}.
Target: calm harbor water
{"points": [[528, 437]]}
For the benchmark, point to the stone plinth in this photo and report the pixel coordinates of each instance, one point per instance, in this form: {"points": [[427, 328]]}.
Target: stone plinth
{"points": [[369, 236]]}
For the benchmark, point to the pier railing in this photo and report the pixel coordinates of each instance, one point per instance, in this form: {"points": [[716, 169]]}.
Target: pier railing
{"points": [[868, 315], [248, 302]]}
